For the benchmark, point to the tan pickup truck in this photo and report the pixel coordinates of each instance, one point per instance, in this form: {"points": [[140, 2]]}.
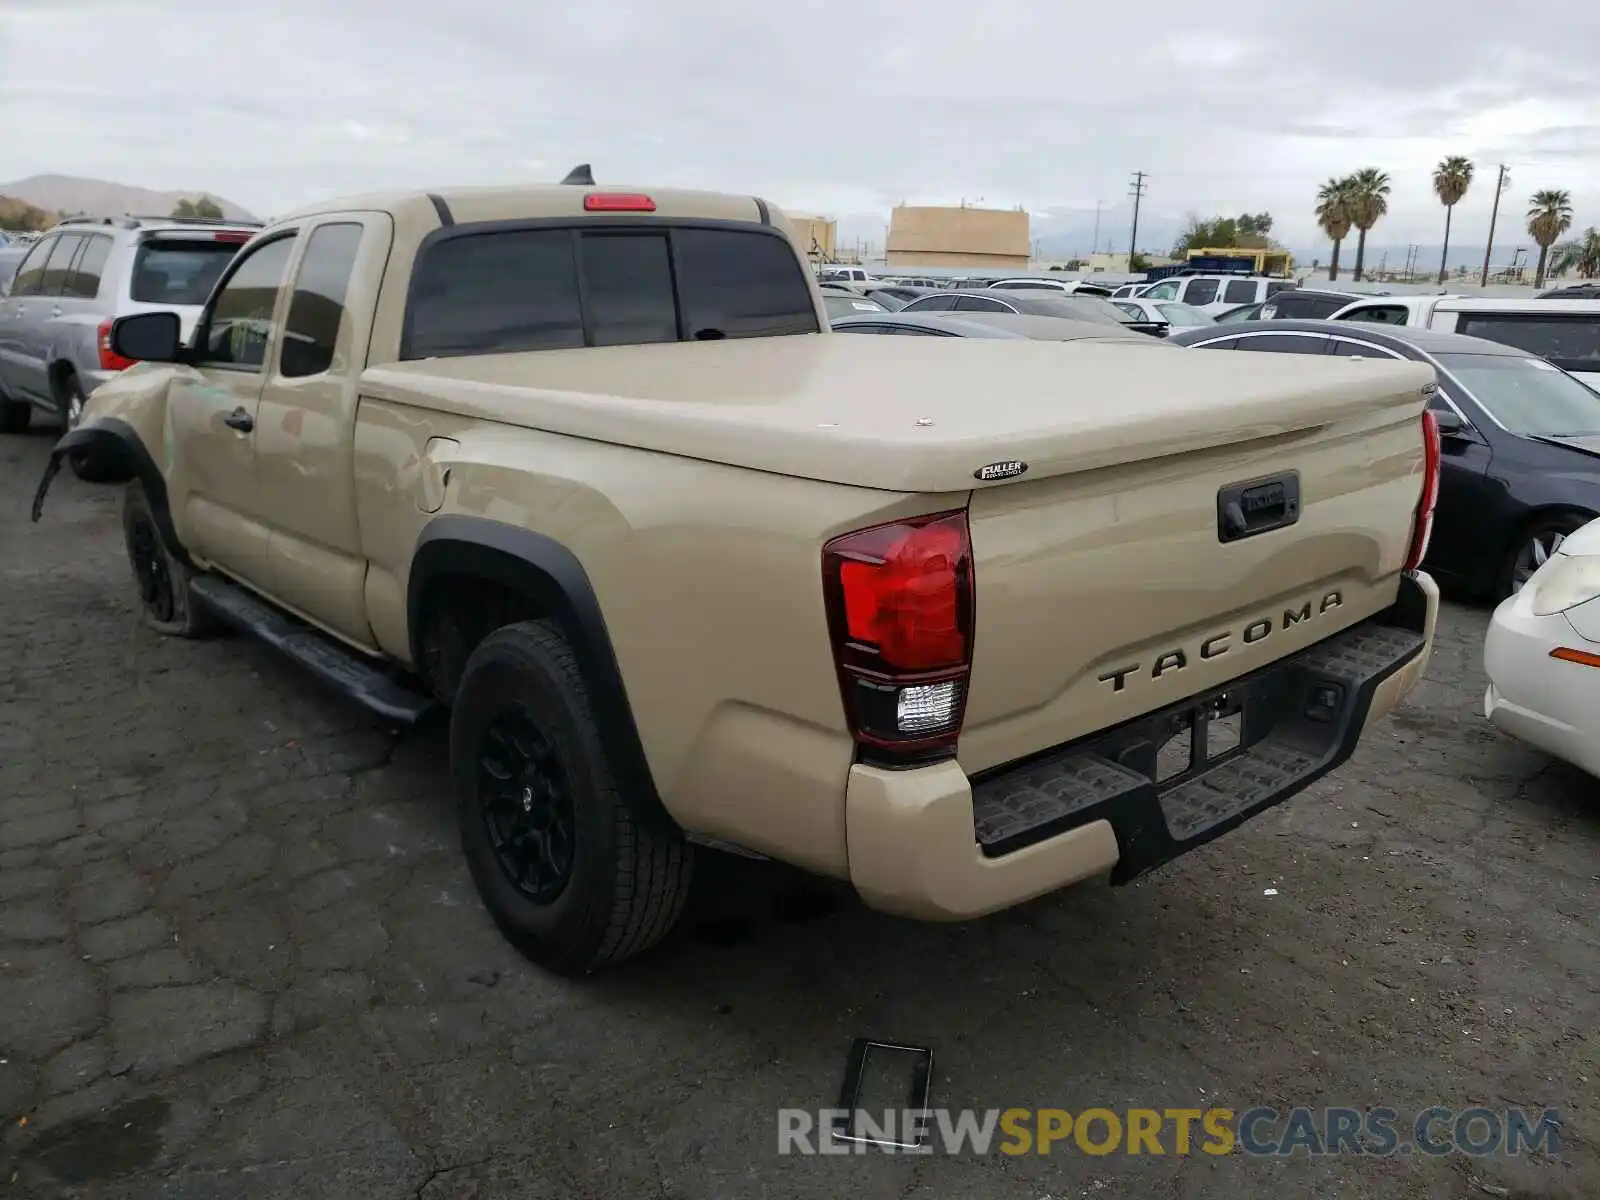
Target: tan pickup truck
{"points": [[958, 620]]}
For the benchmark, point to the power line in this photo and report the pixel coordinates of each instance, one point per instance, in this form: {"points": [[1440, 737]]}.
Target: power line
{"points": [[1137, 187]]}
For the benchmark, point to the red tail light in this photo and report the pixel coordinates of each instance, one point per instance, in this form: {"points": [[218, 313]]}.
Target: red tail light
{"points": [[1422, 527], [230, 235], [618, 202], [900, 613], [110, 360]]}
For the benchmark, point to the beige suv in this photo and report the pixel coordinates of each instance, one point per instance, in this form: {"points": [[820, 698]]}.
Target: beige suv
{"points": [[958, 620]]}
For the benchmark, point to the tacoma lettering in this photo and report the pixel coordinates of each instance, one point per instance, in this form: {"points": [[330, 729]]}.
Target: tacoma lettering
{"points": [[1171, 661]]}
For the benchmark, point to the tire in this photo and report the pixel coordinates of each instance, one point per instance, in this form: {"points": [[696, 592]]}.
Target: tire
{"points": [[1533, 544], [15, 417], [161, 580], [571, 875], [70, 410]]}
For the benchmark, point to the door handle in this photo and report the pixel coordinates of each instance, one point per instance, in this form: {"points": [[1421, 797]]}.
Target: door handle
{"points": [[240, 420]]}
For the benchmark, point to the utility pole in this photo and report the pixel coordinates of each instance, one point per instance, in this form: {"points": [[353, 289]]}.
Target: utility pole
{"points": [[1095, 249], [1494, 215], [1138, 186]]}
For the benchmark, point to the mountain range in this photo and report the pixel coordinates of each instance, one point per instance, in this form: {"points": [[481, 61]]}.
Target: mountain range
{"points": [[99, 198]]}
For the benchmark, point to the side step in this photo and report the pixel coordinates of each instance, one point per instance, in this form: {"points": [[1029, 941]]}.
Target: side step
{"points": [[340, 668]]}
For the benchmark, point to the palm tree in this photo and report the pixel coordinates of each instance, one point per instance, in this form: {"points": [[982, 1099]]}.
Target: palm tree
{"points": [[1333, 215], [1549, 216], [1369, 200], [1580, 254], [1451, 179]]}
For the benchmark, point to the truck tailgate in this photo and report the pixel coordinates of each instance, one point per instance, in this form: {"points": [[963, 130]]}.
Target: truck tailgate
{"points": [[1106, 594]]}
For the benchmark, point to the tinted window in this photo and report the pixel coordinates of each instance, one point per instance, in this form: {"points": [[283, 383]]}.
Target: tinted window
{"points": [[55, 267], [1356, 350], [1527, 395], [495, 293], [239, 328], [1379, 314], [931, 304], [1231, 343], [1281, 285], [1286, 343], [84, 282], [627, 289], [1239, 291], [31, 269], [1572, 343], [1200, 291], [174, 273], [1165, 290], [979, 304], [737, 284], [316, 310]]}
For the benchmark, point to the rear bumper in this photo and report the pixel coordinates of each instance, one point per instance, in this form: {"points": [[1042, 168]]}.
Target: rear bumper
{"points": [[932, 843]]}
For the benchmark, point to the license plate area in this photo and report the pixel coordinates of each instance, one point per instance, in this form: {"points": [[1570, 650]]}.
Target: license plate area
{"points": [[1199, 736]]}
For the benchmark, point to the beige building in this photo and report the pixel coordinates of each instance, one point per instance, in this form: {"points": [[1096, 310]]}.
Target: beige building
{"points": [[958, 237], [817, 236]]}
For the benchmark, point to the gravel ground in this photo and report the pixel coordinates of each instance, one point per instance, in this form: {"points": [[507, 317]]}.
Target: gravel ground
{"points": [[240, 956]]}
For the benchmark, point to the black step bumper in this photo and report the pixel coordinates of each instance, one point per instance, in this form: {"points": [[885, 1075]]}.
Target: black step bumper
{"points": [[1293, 721]]}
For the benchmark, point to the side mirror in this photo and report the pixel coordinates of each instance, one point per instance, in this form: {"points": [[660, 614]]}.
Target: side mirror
{"points": [[1450, 423], [148, 337]]}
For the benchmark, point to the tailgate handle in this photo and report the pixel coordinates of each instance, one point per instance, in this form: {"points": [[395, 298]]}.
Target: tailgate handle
{"points": [[1257, 506]]}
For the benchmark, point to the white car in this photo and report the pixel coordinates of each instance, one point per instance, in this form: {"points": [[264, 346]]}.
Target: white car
{"points": [[1542, 655]]}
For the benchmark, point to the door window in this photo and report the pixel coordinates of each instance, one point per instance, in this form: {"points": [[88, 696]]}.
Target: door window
{"points": [[1200, 291], [31, 271], [931, 304], [317, 307], [979, 304], [1286, 343], [238, 329], [1167, 289], [1348, 349], [1379, 314], [1239, 291], [56, 267]]}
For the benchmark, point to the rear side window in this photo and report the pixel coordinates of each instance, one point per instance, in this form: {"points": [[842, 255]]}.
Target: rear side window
{"points": [[1379, 314], [316, 309], [516, 290], [174, 273], [1167, 290], [55, 268], [1202, 291], [931, 304], [1280, 285], [1571, 342], [1240, 291], [1286, 343], [84, 282], [737, 283]]}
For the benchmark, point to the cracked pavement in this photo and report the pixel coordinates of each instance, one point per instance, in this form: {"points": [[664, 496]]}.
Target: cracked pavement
{"points": [[240, 955]]}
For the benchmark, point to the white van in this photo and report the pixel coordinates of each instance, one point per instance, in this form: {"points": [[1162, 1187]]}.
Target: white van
{"points": [[1215, 293], [1566, 332]]}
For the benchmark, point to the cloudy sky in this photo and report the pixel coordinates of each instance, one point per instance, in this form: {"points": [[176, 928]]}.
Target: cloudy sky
{"points": [[822, 105]]}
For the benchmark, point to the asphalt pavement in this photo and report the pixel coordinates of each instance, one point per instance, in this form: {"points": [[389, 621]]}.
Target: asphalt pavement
{"points": [[240, 956]]}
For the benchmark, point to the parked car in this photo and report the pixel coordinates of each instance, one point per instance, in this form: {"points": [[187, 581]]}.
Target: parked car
{"points": [[1521, 438], [1573, 291], [903, 293], [78, 278], [1040, 304], [1131, 289], [1566, 332], [1217, 293], [1245, 312], [575, 465], [987, 325], [1542, 655], [1174, 314], [843, 304], [1035, 283]]}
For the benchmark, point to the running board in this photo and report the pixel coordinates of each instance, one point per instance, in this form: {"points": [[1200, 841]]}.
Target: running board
{"points": [[338, 667]]}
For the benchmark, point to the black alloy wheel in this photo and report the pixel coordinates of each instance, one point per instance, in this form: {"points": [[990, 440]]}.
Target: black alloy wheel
{"points": [[527, 805]]}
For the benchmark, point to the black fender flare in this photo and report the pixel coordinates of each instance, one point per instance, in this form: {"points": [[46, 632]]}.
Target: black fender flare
{"points": [[551, 576], [118, 455]]}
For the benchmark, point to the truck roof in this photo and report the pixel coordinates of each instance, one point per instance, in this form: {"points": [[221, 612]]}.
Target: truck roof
{"points": [[465, 205]]}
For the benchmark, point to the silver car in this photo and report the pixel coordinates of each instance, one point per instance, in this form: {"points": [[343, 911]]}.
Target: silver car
{"points": [[80, 276]]}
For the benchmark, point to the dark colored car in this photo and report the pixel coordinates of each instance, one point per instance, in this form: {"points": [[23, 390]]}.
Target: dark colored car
{"points": [[1520, 440], [902, 293], [985, 325], [1033, 303], [1291, 304], [1573, 291]]}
